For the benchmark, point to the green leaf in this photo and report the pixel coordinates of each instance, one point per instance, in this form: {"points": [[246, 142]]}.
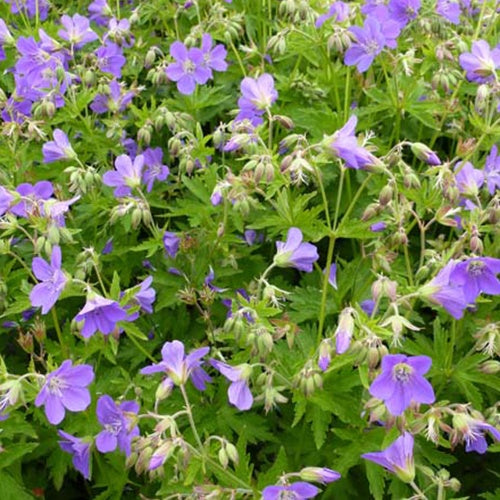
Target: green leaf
{"points": [[114, 292], [13, 452], [375, 475], [272, 474], [10, 489], [320, 423]]}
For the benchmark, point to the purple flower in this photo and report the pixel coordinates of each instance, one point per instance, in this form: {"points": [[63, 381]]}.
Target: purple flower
{"points": [[119, 425], [155, 170], [65, 388], [368, 306], [238, 392], [469, 179], [257, 95], [445, 292], [30, 7], [54, 210], [32, 195], [344, 144], [403, 11], [449, 9], [58, 149], [345, 330], [80, 450], [474, 431], [209, 279], [338, 11], [45, 294], [110, 59], [100, 314], [99, 11], [319, 474], [214, 58], [179, 367], [77, 30], [492, 170], [481, 62], [15, 110], [144, 298], [127, 175], [401, 382], [332, 277], [299, 490], [325, 354], [294, 253], [117, 100], [108, 247], [119, 31], [397, 458], [370, 41], [424, 153], [477, 275], [377, 227], [188, 69], [5, 200], [171, 243]]}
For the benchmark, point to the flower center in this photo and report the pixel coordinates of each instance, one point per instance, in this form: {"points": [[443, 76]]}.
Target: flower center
{"points": [[189, 66], [372, 47], [476, 268], [114, 427], [56, 385], [402, 372]]}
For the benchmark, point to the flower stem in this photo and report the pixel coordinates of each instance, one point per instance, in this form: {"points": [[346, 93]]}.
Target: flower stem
{"points": [[59, 332], [418, 491], [189, 412], [324, 292]]}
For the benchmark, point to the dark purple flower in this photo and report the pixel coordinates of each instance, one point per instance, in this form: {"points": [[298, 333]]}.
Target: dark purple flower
{"points": [[338, 11], [155, 170], [77, 30], [179, 367], [469, 179], [144, 297], [294, 253], [298, 491], [117, 99], [368, 306], [443, 291], [257, 95], [477, 275], [110, 59], [100, 12], [53, 281], [209, 279], [377, 227], [58, 149], [401, 382], [65, 389], [32, 196], [80, 450], [239, 393], [481, 62], [492, 170], [171, 243], [16, 109], [127, 175], [397, 458], [5, 200], [344, 144], [403, 11], [188, 69], [100, 314], [424, 153], [370, 41], [108, 247], [214, 58], [450, 10], [119, 423]]}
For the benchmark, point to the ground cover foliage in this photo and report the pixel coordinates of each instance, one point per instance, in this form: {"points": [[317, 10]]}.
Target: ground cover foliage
{"points": [[249, 249]]}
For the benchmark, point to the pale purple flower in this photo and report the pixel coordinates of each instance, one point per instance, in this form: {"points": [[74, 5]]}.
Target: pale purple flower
{"points": [[403, 11], [117, 100], [450, 10], [119, 424], [53, 281], [477, 275], [178, 367], [77, 30], [144, 297], [332, 276], [298, 491], [30, 7], [481, 62], [100, 12], [214, 58], [188, 69], [344, 144], [100, 314], [239, 393], [345, 330], [338, 11], [127, 175], [377, 227], [401, 382], [5, 200], [54, 210], [209, 279], [65, 389], [294, 253], [325, 354], [320, 474], [257, 95], [110, 59], [171, 243], [79, 449], [397, 458], [32, 198], [474, 436], [119, 31], [469, 179], [155, 170], [492, 170], [443, 291], [58, 149]]}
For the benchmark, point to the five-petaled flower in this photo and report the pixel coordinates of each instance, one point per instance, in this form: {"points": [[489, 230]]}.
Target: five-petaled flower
{"points": [[401, 382], [80, 449], [294, 253], [238, 392], [58, 149], [65, 389]]}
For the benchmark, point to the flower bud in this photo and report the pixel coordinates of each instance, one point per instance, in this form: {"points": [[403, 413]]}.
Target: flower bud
{"points": [[223, 458], [385, 195]]}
